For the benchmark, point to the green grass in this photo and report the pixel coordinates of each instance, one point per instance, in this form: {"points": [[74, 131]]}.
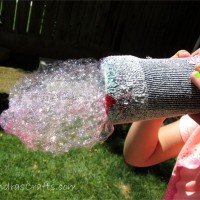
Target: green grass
{"points": [[8, 77], [96, 173]]}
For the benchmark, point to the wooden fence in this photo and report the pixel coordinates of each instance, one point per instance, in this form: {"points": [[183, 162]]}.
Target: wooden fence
{"points": [[61, 29]]}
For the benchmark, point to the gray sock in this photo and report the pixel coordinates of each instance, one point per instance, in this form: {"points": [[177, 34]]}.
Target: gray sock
{"points": [[149, 88]]}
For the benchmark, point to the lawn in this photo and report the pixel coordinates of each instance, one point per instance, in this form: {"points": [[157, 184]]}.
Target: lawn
{"points": [[8, 77], [96, 173]]}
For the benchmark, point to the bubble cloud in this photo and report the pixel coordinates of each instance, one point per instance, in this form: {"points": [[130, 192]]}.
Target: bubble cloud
{"points": [[59, 107]]}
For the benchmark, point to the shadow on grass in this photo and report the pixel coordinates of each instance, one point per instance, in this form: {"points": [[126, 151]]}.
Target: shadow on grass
{"points": [[115, 145], [162, 171], [115, 142]]}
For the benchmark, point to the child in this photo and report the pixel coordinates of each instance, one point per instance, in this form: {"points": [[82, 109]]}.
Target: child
{"points": [[149, 143]]}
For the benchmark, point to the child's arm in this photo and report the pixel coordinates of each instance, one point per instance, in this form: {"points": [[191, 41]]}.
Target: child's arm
{"points": [[147, 143]]}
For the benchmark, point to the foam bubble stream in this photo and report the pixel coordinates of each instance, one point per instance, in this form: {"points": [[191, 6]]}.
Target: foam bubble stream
{"points": [[59, 107]]}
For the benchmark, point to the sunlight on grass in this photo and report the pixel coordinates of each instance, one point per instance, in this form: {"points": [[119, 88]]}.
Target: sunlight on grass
{"points": [[125, 190], [8, 77]]}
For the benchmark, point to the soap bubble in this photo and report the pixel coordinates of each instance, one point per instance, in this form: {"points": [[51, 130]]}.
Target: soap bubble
{"points": [[59, 107]]}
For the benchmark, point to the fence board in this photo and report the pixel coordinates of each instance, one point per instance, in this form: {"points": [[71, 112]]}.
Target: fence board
{"points": [[76, 20], [36, 17], [100, 22], [119, 27], [137, 27], [87, 24], [112, 23], [143, 23], [22, 16], [50, 19], [63, 20], [8, 15]]}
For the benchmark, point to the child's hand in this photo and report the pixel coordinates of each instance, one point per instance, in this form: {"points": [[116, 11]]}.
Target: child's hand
{"points": [[197, 52], [195, 76], [181, 54]]}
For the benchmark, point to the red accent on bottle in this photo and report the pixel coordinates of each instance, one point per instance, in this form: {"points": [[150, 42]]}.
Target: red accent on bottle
{"points": [[110, 101]]}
